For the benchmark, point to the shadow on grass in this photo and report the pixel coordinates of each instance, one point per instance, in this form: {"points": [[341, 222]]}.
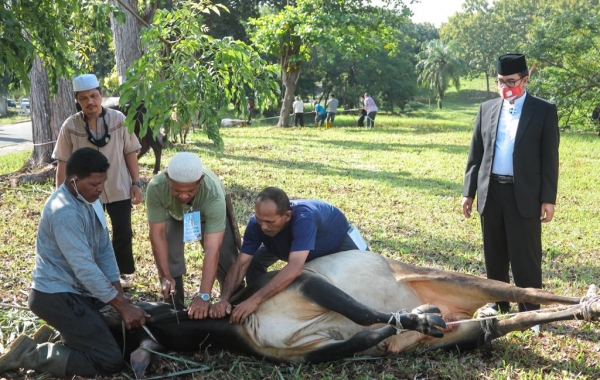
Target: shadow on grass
{"points": [[396, 179]]}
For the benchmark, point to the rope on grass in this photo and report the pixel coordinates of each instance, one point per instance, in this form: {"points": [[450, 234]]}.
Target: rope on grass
{"points": [[10, 306], [556, 308]]}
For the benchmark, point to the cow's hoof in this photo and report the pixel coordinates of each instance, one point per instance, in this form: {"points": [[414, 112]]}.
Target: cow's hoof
{"points": [[139, 360], [486, 311], [424, 309], [429, 324]]}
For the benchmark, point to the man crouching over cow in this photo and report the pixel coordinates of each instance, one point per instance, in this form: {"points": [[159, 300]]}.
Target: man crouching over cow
{"points": [[75, 274], [296, 232], [186, 203]]}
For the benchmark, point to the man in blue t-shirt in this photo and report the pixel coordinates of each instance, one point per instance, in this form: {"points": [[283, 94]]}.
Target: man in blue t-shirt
{"points": [[320, 114], [296, 232]]}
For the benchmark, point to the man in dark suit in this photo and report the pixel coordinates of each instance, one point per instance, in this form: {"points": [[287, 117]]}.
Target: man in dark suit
{"points": [[513, 168]]}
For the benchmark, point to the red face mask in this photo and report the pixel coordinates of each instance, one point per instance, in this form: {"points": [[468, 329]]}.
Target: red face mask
{"points": [[511, 93]]}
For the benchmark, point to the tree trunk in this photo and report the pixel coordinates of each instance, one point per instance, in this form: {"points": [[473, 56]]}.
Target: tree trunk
{"points": [[3, 104], [63, 105], [289, 79], [39, 104], [126, 38], [487, 84]]}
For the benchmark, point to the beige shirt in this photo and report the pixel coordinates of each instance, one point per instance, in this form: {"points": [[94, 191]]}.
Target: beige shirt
{"points": [[73, 136]]}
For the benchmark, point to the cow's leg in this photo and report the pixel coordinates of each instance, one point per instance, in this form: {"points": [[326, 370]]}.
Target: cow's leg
{"points": [[361, 341], [157, 149], [316, 289], [460, 295], [477, 332], [140, 358]]}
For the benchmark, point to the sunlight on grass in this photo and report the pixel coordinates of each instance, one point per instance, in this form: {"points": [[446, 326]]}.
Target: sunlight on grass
{"points": [[14, 161]]}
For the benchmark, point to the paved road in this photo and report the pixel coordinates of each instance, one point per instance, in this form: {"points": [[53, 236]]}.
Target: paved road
{"points": [[15, 138]]}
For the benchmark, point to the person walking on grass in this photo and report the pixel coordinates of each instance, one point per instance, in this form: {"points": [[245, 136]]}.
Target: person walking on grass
{"points": [[298, 107], [332, 105]]}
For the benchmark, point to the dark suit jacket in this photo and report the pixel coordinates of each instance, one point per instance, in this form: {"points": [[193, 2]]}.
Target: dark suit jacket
{"points": [[535, 155]]}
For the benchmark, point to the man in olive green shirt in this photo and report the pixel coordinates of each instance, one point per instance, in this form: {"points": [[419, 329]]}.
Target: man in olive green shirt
{"points": [[186, 202]]}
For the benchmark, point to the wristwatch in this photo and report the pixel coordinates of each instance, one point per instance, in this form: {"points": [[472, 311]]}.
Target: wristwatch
{"points": [[136, 183], [204, 296]]}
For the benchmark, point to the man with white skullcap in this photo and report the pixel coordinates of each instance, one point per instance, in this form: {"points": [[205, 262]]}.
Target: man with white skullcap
{"points": [[186, 203], [513, 168], [103, 129]]}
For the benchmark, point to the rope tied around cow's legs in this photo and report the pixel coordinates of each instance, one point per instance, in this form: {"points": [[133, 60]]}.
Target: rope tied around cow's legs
{"points": [[587, 308], [398, 325]]}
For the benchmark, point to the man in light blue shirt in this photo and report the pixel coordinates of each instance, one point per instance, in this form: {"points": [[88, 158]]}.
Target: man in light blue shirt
{"points": [[75, 274]]}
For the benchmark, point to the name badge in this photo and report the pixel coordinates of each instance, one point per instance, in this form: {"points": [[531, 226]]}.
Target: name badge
{"points": [[192, 231]]}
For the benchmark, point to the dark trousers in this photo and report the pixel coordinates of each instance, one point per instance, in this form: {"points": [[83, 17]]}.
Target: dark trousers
{"points": [[371, 119], [299, 118], [511, 241], [93, 349], [263, 259], [122, 234], [227, 255], [331, 117]]}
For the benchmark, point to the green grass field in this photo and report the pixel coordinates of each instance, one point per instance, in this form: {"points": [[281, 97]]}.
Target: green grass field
{"points": [[400, 184]]}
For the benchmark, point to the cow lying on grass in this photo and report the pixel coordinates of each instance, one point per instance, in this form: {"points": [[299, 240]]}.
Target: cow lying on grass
{"points": [[335, 309], [234, 123]]}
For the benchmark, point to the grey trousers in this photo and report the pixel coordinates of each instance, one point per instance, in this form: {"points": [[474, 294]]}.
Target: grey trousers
{"points": [[92, 349], [227, 255]]}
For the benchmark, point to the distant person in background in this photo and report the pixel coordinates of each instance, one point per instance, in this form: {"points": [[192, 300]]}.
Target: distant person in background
{"points": [[103, 129], [371, 108], [332, 105], [320, 114], [298, 107], [513, 168]]}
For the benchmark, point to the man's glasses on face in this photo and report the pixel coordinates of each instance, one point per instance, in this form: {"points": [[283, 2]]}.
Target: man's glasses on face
{"points": [[509, 83]]}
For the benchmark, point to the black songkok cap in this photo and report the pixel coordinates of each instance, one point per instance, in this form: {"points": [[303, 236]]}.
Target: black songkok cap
{"points": [[509, 64]]}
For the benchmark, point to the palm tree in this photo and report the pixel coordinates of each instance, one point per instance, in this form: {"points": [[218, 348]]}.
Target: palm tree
{"points": [[438, 67]]}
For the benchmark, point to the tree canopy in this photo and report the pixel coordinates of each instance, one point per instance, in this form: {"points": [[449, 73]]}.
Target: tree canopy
{"points": [[195, 75], [347, 27]]}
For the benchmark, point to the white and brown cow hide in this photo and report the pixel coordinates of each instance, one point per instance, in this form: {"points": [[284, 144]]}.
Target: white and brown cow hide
{"points": [[346, 303]]}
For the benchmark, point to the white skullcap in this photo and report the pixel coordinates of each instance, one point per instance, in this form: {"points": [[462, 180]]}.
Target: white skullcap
{"points": [[85, 82], [185, 167]]}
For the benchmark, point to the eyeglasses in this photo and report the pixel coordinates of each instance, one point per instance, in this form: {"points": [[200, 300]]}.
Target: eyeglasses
{"points": [[509, 83]]}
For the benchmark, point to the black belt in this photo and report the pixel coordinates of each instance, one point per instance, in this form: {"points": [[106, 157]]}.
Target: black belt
{"points": [[503, 179]]}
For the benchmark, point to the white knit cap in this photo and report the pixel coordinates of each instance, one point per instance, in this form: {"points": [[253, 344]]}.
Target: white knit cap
{"points": [[185, 167], [85, 82]]}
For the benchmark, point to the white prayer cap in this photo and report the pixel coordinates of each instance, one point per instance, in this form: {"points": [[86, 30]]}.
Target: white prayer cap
{"points": [[85, 82], [185, 167]]}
